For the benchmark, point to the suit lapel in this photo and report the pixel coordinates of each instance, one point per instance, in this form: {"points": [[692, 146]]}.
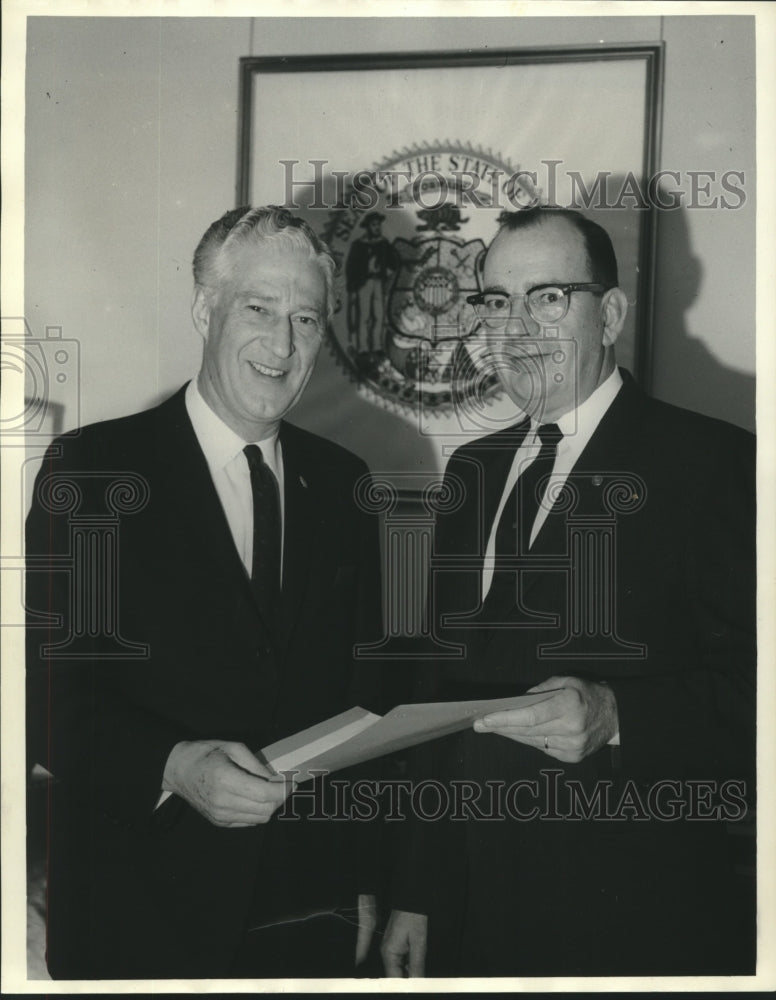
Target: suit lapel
{"points": [[496, 470], [484, 469], [200, 518], [603, 458], [496, 455]]}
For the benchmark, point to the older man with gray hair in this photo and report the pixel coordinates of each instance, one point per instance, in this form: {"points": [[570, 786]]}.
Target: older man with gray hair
{"points": [[242, 582]]}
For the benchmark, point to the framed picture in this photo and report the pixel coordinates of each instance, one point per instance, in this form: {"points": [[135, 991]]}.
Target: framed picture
{"points": [[403, 164]]}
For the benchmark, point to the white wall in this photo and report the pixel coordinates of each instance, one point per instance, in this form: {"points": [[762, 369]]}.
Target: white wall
{"points": [[131, 150], [705, 329]]}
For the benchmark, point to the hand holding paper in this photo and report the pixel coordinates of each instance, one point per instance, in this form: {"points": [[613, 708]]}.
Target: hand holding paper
{"points": [[577, 718], [224, 782], [357, 736]]}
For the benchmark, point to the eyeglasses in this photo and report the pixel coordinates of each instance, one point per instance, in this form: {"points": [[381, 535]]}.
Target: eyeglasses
{"points": [[545, 304]]}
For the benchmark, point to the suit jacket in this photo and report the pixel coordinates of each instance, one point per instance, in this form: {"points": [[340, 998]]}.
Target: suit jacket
{"points": [[658, 525], [179, 650]]}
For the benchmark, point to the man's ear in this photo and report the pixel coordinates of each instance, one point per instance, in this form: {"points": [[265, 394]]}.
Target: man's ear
{"points": [[615, 309], [200, 310]]}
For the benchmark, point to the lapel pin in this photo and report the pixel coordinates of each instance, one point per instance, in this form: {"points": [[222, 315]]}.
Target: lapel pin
{"points": [[597, 480], [303, 481]]}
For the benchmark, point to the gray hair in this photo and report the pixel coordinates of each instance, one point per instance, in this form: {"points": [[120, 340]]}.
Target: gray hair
{"points": [[269, 224]]}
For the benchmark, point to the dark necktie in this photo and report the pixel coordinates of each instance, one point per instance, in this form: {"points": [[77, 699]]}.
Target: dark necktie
{"points": [[265, 572], [521, 508]]}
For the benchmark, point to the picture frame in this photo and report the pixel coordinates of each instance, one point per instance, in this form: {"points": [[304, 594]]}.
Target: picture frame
{"points": [[408, 161], [584, 121]]}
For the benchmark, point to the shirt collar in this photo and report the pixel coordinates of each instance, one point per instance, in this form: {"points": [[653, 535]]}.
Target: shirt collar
{"points": [[581, 423], [218, 441]]}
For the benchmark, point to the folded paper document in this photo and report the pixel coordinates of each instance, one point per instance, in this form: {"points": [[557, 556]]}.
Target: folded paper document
{"points": [[357, 735]]}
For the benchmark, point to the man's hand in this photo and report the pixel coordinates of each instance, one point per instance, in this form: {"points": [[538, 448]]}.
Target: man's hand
{"points": [[404, 944], [367, 921], [224, 782], [571, 724]]}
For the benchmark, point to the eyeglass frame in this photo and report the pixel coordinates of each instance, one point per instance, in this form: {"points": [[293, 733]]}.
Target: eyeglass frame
{"points": [[573, 286]]}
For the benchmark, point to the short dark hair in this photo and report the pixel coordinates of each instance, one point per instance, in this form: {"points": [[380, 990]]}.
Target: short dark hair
{"points": [[267, 224], [601, 259]]}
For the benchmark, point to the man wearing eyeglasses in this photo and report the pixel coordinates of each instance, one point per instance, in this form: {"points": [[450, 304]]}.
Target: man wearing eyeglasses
{"points": [[603, 554]]}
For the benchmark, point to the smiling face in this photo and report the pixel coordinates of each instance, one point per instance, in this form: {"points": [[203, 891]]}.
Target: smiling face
{"points": [[262, 328], [550, 371]]}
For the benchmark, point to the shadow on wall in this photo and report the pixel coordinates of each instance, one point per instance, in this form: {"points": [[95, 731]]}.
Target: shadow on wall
{"points": [[689, 374]]}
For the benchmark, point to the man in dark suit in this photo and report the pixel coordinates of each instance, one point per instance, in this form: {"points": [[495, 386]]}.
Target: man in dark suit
{"points": [[199, 575], [602, 552]]}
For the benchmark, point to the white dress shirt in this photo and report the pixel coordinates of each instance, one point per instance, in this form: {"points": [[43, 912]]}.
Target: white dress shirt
{"points": [[223, 450], [577, 428]]}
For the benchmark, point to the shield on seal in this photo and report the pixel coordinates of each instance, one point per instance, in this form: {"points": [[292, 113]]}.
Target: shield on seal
{"points": [[428, 316]]}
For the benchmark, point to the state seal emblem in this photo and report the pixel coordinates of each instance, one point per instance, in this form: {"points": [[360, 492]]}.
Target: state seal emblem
{"points": [[410, 236]]}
